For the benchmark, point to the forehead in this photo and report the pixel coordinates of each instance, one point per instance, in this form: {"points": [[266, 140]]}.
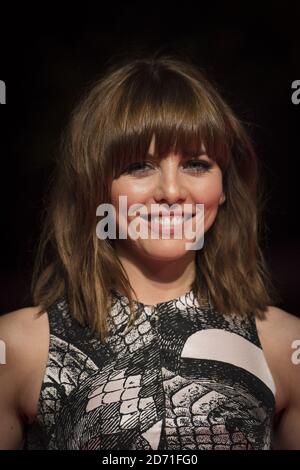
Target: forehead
{"points": [[201, 151]]}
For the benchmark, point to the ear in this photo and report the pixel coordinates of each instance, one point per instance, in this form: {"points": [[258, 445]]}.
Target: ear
{"points": [[222, 199]]}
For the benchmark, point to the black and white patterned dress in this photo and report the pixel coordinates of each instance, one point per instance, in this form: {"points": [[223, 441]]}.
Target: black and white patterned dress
{"points": [[183, 376]]}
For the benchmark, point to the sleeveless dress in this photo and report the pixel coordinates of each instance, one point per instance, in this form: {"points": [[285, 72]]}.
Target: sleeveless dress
{"points": [[182, 376]]}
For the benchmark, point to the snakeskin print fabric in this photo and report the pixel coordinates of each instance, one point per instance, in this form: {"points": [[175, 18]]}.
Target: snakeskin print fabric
{"points": [[182, 376]]}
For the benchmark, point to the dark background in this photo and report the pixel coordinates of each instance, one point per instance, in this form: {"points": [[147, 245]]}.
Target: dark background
{"points": [[251, 52]]}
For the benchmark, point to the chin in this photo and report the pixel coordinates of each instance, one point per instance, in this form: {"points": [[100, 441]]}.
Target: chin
{"points": [[166, 249]]}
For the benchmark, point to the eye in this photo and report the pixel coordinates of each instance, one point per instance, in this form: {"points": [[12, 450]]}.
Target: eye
{"points": [[138, 167], [193, 166], [199, 165]]}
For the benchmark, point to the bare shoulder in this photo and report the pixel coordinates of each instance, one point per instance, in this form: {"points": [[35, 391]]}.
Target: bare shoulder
{"points": [[279, 326], [14, 322], [22, 331], [278, 315], [280, 338], [24, 335], [279, 333]]}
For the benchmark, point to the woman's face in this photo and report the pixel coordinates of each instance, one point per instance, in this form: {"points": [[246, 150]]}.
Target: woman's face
{"points": [[172, 180]]}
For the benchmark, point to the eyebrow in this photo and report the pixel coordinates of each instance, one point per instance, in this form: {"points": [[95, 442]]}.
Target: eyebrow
{"points": [[185, 154]]}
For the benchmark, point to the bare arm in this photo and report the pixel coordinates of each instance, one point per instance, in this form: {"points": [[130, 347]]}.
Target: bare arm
{"points": [[11, 426], [287, 432], [19, 336], [285, 334]]}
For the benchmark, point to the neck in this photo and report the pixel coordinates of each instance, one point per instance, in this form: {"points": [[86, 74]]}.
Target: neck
{"points": [[157, 280]]}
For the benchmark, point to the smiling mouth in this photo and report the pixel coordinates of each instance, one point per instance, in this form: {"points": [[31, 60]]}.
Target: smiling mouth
{"points": [[167, 220]]}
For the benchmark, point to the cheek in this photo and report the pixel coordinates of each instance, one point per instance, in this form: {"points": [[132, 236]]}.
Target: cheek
{"points": [[117, 189], [136, 191], [209, 192]]}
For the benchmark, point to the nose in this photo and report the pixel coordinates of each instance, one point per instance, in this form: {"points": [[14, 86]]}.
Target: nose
{"points": [[171, 187]]}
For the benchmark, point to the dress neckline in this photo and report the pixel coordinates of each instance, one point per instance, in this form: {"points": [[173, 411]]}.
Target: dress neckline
{"points": [[186, 299]]}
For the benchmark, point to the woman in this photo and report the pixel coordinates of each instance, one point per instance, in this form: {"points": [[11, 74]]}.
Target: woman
{"points": [[196, 358]]}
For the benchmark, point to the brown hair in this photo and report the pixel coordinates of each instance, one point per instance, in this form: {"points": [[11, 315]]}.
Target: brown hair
{"points": [[112, 126]]}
